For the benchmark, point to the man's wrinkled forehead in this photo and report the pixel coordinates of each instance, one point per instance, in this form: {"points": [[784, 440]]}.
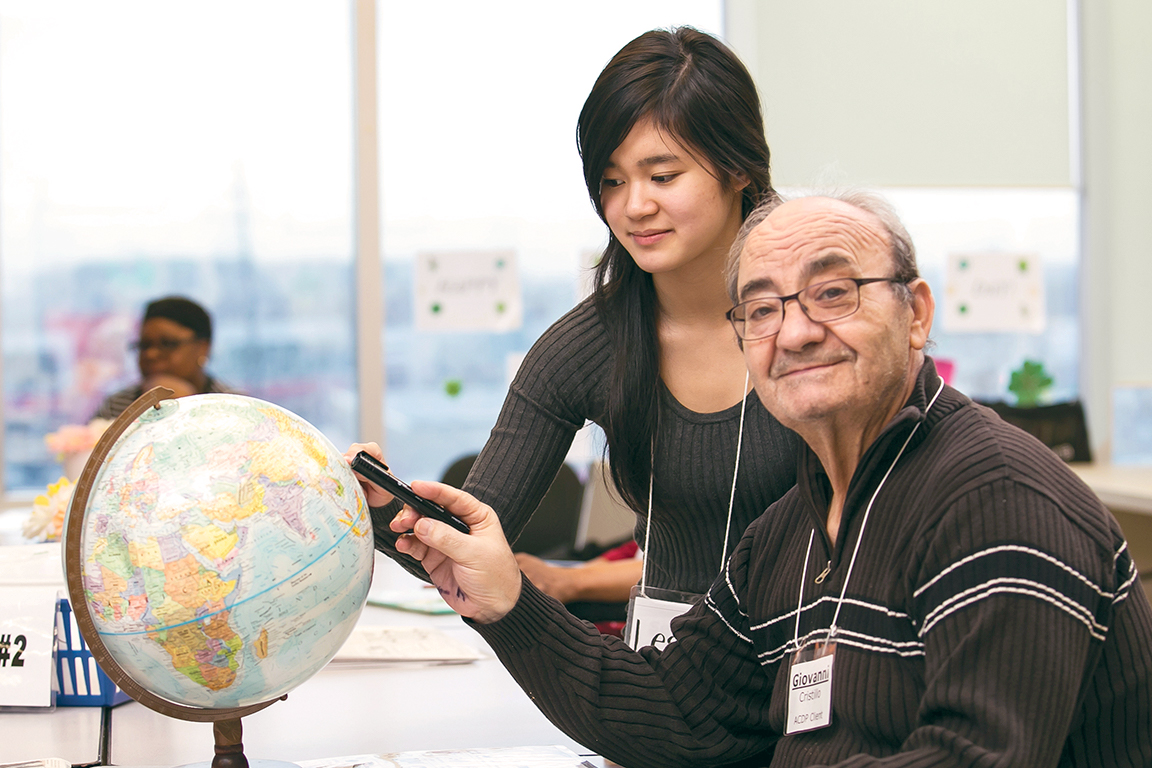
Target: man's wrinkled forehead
{"points": [[804, 238]]}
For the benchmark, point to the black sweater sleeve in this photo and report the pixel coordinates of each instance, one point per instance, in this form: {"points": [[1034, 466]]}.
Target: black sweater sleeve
{"points": [[556, 390], [702, 701]]}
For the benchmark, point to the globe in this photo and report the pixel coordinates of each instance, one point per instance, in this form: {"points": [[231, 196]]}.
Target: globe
{"points": [[224, 550]]}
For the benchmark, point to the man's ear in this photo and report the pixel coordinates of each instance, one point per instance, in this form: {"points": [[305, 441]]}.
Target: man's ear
{"points": [[923, 307]]}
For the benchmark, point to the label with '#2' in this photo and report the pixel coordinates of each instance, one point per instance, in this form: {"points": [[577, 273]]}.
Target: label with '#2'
{"points": [[27, 638]]}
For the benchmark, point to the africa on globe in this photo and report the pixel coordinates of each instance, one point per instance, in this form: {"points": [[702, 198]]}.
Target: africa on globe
{"points": [[225, 550]]}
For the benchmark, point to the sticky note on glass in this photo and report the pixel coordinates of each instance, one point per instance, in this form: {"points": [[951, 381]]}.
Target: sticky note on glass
{"points": [[467, 291], [994, 293]]}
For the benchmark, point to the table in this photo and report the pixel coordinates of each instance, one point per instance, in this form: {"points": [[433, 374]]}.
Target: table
{"points": [[340, 711], [1120, 487], [1127, 491]]}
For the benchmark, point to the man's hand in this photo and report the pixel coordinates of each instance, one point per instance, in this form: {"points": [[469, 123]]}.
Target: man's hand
{"points": [[475, 573]]}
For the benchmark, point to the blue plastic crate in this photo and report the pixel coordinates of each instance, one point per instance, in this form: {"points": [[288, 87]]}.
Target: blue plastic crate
{"points": [[80, 681]]}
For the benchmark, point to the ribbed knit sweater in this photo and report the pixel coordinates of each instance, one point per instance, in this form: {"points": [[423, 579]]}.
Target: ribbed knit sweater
{"points": [[993, 618], [563, 383]]}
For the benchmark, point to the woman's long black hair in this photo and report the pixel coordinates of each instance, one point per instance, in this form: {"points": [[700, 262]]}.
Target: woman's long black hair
{"points": [[693, 88]]}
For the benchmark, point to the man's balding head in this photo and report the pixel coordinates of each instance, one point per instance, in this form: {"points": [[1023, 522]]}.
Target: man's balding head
{"points": [[813, 367], [902, 249]]}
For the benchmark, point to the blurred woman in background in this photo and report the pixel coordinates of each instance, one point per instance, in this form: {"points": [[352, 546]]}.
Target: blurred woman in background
{"points": [[174, 345]]}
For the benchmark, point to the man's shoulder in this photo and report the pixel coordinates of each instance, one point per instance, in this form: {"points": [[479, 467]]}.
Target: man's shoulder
{"points": [[973, 449], [780, 518], [975, 440]]}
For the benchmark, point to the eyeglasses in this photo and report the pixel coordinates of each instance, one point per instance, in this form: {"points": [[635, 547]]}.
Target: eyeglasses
{"points": [[166, 346], [822, 302]]}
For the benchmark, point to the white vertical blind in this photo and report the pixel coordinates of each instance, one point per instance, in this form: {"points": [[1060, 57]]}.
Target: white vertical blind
{"points": [[898, 93]]}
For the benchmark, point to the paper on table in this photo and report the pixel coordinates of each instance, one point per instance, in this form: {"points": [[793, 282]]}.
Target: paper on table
{"points": [[28, 564], [388, 643], [44, 762], [503, 757], [419, 600]]}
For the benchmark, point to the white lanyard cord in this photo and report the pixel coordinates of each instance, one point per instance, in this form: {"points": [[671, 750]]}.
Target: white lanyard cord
{"points": [[731, 497], [800, 600], [868, 510], [648, 522], [735, 473]]}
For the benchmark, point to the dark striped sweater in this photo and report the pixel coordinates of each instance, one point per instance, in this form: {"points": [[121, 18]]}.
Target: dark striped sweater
{"points": [[562, 383], [993, 618], [118, 401]]}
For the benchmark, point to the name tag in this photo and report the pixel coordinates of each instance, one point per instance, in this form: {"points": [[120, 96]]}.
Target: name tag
{"points": [[810, 688], [650, 616]]}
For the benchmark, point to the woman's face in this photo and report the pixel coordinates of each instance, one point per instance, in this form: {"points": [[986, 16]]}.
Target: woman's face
{"points": [[664, 207], [166, 347]]}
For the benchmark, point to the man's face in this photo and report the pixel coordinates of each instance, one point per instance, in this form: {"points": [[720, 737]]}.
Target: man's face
{"points": [[858, 367]]}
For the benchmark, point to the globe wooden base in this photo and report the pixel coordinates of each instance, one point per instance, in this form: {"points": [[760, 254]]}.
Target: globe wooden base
{"points": [[229, 747], [230, 752]]}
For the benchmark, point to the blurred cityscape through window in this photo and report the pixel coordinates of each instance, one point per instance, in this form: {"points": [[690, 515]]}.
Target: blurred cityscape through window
{"points": [[149, 149]]}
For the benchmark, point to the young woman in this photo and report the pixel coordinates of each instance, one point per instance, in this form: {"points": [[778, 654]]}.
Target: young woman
{"points": [[674, 155]]}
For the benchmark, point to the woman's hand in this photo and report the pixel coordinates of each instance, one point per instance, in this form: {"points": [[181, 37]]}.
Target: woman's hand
{"points": [[377, 497], [475, 573], [557, 581], [597, 581]]}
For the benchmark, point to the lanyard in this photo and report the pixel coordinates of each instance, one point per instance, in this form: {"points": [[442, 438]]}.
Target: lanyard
{"points": [[731, 497], [860, 536]]}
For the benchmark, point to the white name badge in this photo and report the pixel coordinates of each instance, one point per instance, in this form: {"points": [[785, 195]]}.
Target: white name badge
{"points": [[810, 688], [650, 616], [27, 637]]}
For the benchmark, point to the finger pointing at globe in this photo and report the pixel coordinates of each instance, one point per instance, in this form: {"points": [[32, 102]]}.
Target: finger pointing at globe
{"points": [[375, 495], [475, 573]]}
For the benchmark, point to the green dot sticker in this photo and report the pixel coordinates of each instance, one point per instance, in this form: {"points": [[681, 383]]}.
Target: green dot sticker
{"points": [[436, 308], [452, 387]]}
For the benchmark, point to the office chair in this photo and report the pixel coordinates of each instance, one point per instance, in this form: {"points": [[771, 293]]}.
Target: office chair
{"points": [[551, 533], [1060, 426]]}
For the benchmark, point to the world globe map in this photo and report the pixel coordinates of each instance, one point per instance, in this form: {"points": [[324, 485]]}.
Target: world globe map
{"points": [[225, 551]]}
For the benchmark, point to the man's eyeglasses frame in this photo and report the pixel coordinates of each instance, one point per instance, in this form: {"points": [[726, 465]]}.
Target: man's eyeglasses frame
{"points": [[739, 324]]}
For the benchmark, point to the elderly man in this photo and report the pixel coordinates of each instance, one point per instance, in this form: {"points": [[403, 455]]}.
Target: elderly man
{"points": [[938, 589]]}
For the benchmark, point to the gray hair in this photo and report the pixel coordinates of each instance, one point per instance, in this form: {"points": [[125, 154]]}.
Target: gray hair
{"points": [[902, 249]]}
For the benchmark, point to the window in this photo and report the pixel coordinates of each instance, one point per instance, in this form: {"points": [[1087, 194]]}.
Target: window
{"points": [[478, 154], [150, 149]]}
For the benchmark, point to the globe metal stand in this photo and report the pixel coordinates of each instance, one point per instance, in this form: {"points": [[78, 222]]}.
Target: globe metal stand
{"points": [[226, 726]]}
